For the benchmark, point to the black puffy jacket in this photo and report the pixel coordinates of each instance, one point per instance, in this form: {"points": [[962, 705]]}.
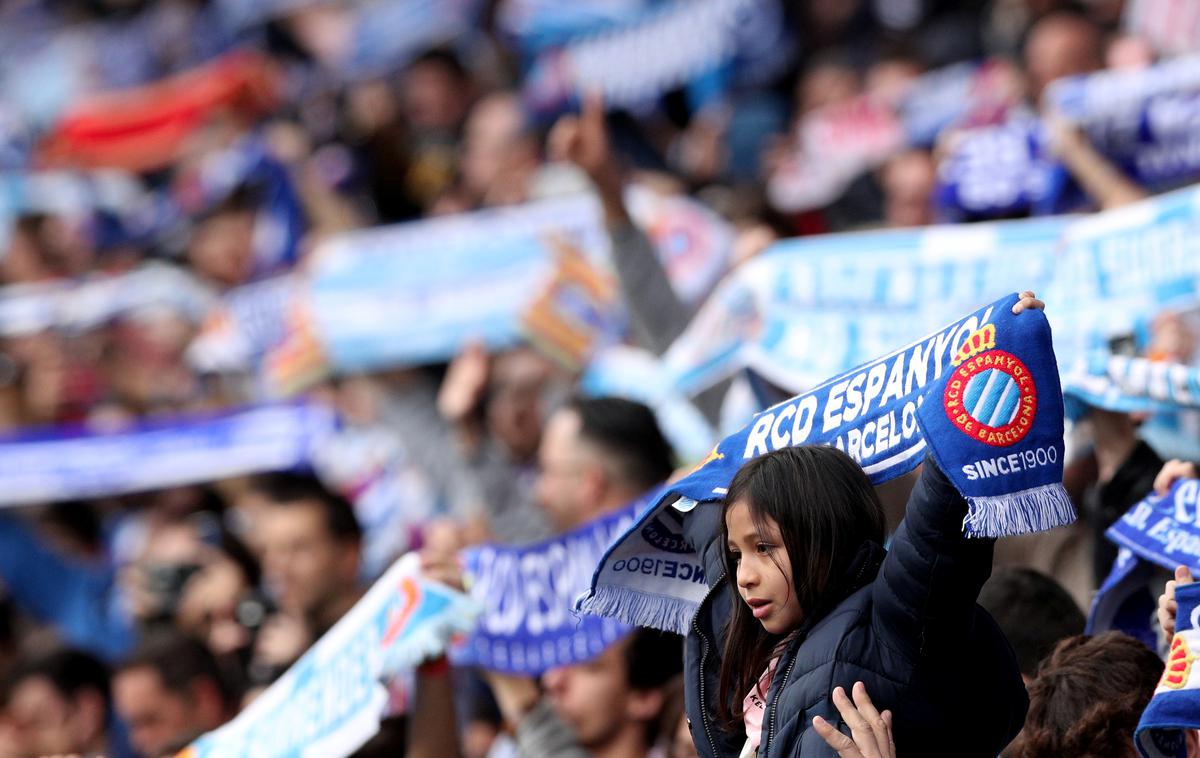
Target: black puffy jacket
{"points": [[910, 630]]}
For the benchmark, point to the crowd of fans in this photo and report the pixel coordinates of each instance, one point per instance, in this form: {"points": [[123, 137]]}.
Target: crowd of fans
{"points": [[130, 625]]}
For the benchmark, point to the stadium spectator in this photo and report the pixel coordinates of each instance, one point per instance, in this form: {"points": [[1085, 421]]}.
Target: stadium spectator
{"points": [[610, 704], [1033, 611], [597, 455], [1061, 44], [1087, 698], [59, 702], [311, 559], [168, 692]]}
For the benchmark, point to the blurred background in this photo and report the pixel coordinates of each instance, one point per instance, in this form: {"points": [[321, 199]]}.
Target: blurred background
{"points": [[359, 252]]}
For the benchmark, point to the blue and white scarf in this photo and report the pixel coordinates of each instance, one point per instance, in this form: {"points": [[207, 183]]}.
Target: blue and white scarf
{"points": [[76, 306], [1160, 531], [330, 702], [69, 463], [528, 595], [1129, 385], [745, 38], [1175, 706], [813, 307], [981, 394], [1141, 120], [414, 293]]}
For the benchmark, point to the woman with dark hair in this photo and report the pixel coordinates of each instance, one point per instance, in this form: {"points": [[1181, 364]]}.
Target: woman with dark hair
{"points": [[805, 601], [1087, 698]]}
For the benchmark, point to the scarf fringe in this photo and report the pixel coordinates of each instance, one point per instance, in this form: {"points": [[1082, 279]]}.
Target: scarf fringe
{"points": [[667, 614], [1033, 510]]}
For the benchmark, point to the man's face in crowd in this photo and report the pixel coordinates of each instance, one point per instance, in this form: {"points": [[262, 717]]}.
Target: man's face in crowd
{"points": [[432, 97], [43, 721], [1060, 46], [222, 247], [559, 487], [157, 717], [908, 181], [494, 143], [592, 697], [514, 411], [304, 565]]}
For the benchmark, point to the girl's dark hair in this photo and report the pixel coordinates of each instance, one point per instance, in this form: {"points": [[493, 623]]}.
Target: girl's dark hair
{"points": [[826, 509]]}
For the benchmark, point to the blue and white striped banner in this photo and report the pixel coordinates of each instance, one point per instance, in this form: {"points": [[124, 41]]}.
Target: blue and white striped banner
{"points": [[1130, 385], [815, 306], [416, 293], [627, 65], [89, 303], [74, 463]]}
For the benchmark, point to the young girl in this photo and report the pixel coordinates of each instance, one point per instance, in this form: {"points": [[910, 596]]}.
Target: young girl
{"points": [[808, 601]]}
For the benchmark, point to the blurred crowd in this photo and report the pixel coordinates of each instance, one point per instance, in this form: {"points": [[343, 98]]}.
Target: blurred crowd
{"points": [[131, 624]]}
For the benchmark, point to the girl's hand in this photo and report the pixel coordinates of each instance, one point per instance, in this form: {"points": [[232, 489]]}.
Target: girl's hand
{"points": [[871, 730], [1167, 607], [1028, 302]]}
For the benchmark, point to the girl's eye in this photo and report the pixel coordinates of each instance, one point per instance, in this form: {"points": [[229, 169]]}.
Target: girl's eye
{"points": [[736, 555], [763, 548]]}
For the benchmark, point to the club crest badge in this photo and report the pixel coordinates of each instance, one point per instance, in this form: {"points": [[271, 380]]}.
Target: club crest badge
{"points": [[991, 396], [1179, 664]]}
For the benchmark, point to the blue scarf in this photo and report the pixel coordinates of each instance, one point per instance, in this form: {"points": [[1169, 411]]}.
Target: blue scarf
{"points": [[1175, 706], [1158, 531], [440, 282], [1129, 385], [981, 394], [528, 594], [1139, 120], [73, 462], [713, 43]]}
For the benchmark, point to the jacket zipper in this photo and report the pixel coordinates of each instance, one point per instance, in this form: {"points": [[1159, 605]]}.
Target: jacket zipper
{"points": [[712, 744], [774, 705], [766, 744]]}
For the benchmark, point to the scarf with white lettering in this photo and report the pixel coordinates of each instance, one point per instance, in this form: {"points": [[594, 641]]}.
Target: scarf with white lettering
{"points": [[528, 595], [1161, 530], [982, 394]]}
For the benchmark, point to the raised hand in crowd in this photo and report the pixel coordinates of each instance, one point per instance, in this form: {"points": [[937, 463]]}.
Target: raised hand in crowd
{"points": [[1104, 183], [583, 140], [1172, 471], [439, 555], [466, 379], [1167, 606], [870, 730]]}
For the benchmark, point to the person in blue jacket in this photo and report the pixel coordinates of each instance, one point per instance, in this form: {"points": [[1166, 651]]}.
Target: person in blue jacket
{"points": [[804, 600]]}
